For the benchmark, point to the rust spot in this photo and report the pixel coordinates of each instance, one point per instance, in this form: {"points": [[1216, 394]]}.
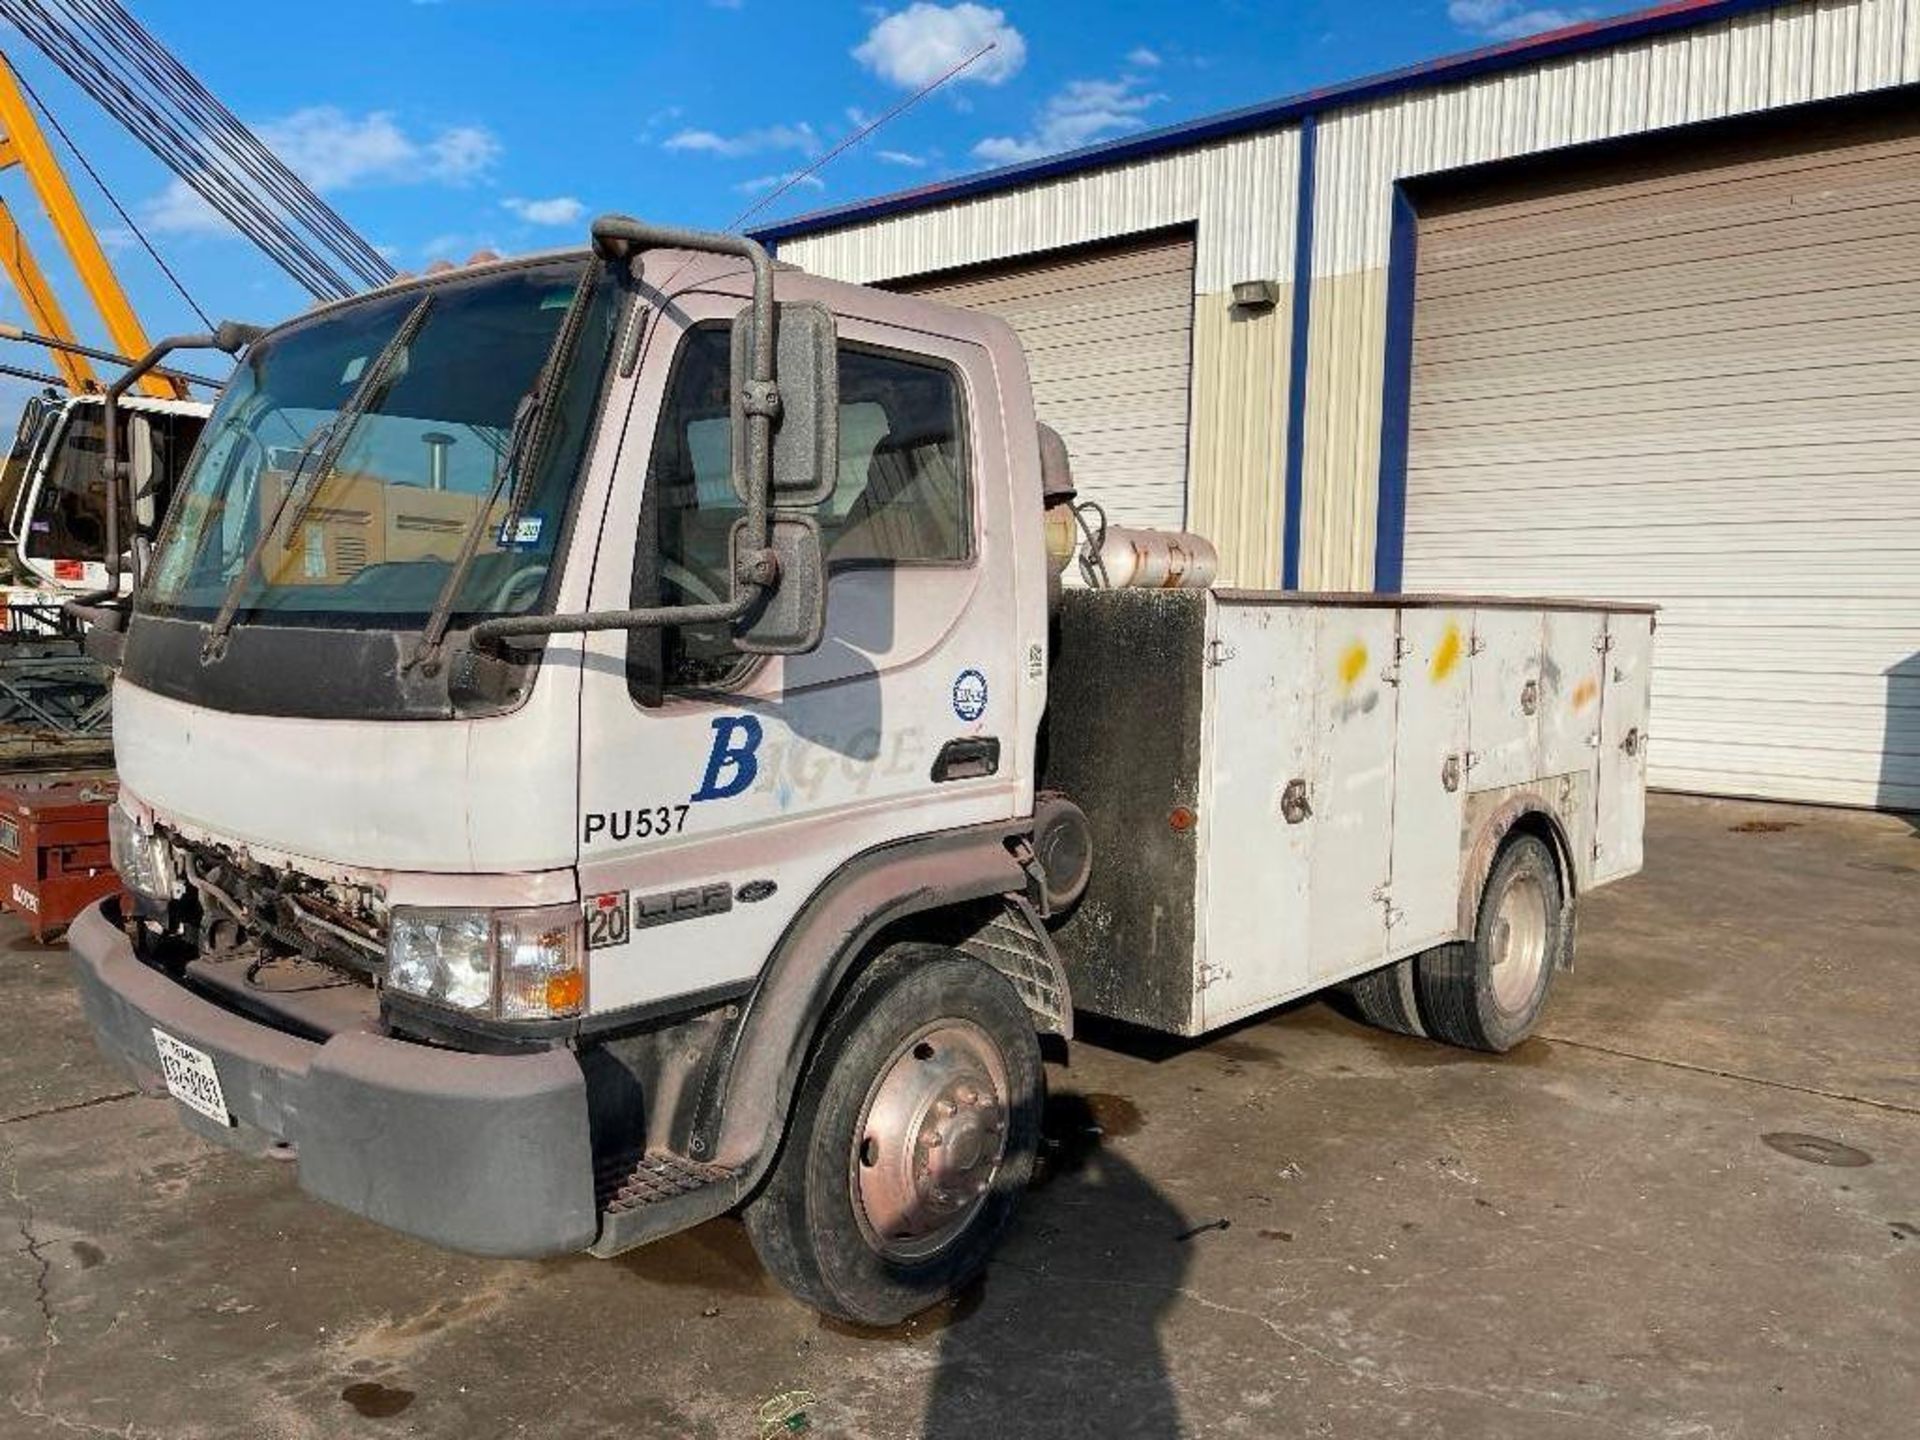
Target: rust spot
{"points": [[1352, 663], [1584, 693], [1447, 654], [1763, 827]]}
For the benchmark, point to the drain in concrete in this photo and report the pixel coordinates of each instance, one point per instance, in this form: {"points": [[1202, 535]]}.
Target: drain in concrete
{"points": [[1817, 1149], [376, 1401]]}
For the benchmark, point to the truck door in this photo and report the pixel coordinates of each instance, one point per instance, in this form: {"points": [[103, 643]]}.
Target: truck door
{"points": [[719, 790]]}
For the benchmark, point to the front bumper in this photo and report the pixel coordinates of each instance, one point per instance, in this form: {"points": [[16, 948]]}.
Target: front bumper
{"points": [[488, 1154]]}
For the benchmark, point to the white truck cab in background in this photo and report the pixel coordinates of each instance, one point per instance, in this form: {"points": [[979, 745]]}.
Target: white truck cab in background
{"points": [[602, 744]]}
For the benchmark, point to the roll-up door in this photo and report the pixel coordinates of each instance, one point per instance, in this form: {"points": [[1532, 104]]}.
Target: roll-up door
{"points": [[1696, 381], [1108, 334]]}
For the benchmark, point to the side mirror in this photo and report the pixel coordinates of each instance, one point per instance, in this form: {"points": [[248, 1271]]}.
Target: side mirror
{"points": [[790, 616], [806, 438], [140, 467]]}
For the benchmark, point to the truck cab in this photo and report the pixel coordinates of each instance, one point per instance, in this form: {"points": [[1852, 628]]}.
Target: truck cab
{"points": [[528, 942]]}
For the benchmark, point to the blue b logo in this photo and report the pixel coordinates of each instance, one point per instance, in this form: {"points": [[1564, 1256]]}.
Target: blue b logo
{"points": [[732, 763]]}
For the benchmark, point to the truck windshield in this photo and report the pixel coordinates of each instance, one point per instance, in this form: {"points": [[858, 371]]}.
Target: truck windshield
{"points": [[371, 538]]}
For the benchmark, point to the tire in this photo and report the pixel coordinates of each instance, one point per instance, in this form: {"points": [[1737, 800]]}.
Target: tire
{"points": [[1487, 993], [1387, 999], [854, 1220]]}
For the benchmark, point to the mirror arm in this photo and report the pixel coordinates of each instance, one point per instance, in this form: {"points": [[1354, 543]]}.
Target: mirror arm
{"points": [[619, 237], [230, 336]]}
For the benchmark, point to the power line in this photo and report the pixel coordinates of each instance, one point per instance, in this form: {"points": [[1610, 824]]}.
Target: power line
{"points": [[857, 136], [112, 199]]}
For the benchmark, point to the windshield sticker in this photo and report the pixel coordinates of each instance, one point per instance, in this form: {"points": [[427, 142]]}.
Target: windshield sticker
{"points": [[970, 695], [522, 533]]}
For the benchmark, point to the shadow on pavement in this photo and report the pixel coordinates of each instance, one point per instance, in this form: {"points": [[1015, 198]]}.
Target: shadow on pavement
{"points": [[1094, 1260]]}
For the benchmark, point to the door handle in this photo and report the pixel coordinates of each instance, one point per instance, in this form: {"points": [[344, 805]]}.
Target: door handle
{"points": [[967, 759]]}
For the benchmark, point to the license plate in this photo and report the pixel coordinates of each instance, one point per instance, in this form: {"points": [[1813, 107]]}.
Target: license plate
{"points": [[191, 1078]]}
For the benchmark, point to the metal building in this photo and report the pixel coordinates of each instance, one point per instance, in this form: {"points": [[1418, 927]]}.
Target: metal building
{"points": [[1629, 310]]}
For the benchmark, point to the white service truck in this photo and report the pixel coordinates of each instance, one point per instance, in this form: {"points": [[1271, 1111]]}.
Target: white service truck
{"points": [[603, 744]]}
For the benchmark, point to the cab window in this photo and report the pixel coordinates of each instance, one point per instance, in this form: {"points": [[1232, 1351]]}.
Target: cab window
{"points": [[903, 495]]}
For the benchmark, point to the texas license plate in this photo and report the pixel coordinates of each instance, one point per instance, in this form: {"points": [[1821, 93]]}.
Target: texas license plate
{"points": [[191, 1078]]}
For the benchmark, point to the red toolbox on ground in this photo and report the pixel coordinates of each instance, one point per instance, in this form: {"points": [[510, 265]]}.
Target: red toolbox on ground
{"points": [[54, 859]]}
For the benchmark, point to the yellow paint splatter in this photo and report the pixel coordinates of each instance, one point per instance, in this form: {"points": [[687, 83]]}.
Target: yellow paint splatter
{"points": [[1352, 664], [1584, 692], [1446, 655]]}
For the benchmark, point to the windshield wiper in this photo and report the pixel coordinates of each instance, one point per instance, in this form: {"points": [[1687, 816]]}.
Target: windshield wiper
{"points": [[526, 445], [372, 381]]}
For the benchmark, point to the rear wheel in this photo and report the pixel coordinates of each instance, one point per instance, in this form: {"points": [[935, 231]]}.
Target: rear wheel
{"points": [[911, 1140], [1388, 998], [1487, 993]]}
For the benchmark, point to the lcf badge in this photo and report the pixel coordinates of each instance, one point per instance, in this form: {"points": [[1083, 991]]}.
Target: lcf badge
{"points": [[970, 694]]}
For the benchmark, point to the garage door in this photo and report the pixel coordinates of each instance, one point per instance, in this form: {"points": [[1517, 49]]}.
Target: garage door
{"points": [[1108, 335], [1697, 383]]}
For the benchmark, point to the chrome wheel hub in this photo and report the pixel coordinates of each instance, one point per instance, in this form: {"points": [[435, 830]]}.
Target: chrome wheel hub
{"points": [[1518, 943], [931, 1138]]}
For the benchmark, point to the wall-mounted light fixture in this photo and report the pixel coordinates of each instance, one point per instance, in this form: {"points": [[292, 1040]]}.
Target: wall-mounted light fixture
{"points": [[1256, 297]]}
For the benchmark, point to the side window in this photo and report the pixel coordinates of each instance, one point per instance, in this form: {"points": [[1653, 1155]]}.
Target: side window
{"points": [[903, 497]]}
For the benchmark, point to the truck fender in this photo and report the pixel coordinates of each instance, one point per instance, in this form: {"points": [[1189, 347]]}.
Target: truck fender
{"points": [[751, 1084], [1525, 810]]}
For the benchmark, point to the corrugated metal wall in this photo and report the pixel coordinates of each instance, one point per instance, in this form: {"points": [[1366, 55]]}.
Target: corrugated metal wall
{"points": [[1766, 59]]}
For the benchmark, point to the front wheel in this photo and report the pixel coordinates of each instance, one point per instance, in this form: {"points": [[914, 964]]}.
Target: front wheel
{"points": [[1487, 993], [912, 1139]]}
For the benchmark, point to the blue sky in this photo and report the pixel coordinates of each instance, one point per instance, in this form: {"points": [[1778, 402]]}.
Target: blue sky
{"points": [[439, 127]]}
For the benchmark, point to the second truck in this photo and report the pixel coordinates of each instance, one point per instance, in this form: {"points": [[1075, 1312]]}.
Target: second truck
{"points": [[604, 745]]}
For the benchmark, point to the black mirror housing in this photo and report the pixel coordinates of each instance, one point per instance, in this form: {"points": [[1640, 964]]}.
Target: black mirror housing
{"points": [[788, 617], [806, 434]]}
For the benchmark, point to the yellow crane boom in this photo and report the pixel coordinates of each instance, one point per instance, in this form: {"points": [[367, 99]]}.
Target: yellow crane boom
{"points": [[24, 144]]}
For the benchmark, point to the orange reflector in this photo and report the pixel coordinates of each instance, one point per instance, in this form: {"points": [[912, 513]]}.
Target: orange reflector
{"points": [[1182, 819], [566, 991]]}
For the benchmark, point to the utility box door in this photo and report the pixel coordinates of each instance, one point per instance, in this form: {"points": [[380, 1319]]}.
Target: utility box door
{"points": [[1570, 684], [1254, 864], [1429, 777], [1621, 822], [1351, 789], [1504, 731]]}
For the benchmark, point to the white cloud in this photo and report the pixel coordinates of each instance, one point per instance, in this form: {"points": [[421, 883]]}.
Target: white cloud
{"points": [[900, 157], [916, 46], [760, 184], [560, 210], [799, 137], [1510, 19], [458, 246], [1141, 58], [332, 150], [1081, 113], [179, 210]]}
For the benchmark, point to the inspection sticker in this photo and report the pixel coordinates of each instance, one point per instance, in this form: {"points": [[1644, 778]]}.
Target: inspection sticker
{"points": [[608, 921], [522, 533]]}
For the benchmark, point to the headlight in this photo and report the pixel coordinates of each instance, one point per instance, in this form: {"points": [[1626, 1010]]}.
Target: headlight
{"points": [[509, 964], [143, 858]]}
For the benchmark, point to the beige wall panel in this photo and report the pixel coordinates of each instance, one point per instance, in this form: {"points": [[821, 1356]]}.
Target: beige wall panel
{"points": [[1341, 456], [1238, 476]]}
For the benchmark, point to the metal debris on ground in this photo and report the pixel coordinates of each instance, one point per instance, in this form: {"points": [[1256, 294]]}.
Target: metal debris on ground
{"points": [[786, 1414]]}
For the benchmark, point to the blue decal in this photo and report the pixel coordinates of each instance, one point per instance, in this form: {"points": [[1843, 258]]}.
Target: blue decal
{"points": [[732, 764], [970, 695]]}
